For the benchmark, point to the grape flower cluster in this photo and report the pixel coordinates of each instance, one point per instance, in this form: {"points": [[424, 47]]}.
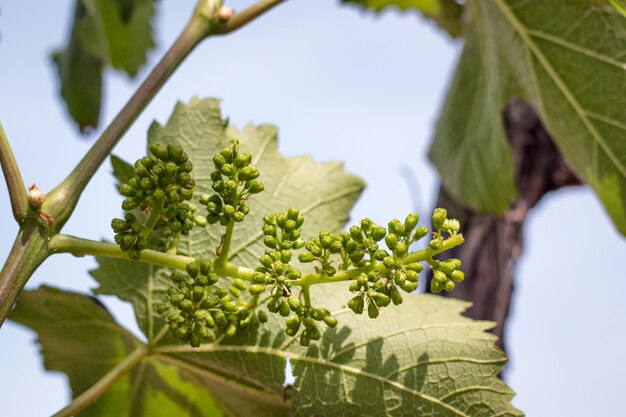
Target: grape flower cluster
{"points": [[213, 295], [156, 198]]}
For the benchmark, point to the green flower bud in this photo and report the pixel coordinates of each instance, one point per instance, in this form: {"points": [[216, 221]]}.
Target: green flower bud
{"points": [[178, 277], [336, 246], [395, 295], [456, 263], [411, 221], [219, 317], [440, 276], [400, 250], [435, 244], [231, 330], [325, 240], [294, 303], [354, 286], [381, 255], [200, 220], [351, 246], [304, 339], [396, 227], [130, 204], [219, 161], [439, 217], [270, 242], [372, 310], [452, 226], [127, 191], [435, 286], [314, 248], [411, 276], [449, 285], [119, 225], [229, 306], [255, 187], [357, 235], [210, 302], [269, 230], [182, 332], [378, 233], [262, 315], [293, 322], [356, 304], [159, 150], [256, 289], [457, 275], [134, 253], [186, 305], [284, 308], [400, 278], [239, 284], [420, 232], [314, 332], [248, 173], [409, 286], [330, 321], [382, 299], [391, 240]]}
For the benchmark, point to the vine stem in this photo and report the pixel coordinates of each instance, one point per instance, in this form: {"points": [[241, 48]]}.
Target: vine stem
{"points": [[95, 391], [13, 178], [419, 256], [62, 200], [80, 247], [30, 248], [222, 260]]}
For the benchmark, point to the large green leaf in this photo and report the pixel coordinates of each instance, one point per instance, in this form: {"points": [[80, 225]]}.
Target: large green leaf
{"points": [[567, 60], [115, 32], [80, 338], [363, 367], [446, 13]]}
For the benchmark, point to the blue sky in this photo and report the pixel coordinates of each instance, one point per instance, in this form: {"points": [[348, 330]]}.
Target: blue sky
{"points": [[340, 85]]}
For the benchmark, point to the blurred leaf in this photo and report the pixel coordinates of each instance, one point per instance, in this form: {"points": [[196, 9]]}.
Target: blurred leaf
{"points": [[80, 338], [567, 60], [115, 32], [80, 74], [446, 13], [122, 170]]}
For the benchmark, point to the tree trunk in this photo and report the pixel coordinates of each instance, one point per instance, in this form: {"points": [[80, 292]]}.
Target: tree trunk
{"points": [[493, 243]]}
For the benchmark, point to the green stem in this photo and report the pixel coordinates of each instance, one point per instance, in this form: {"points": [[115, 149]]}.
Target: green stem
{"points": [[246, 16], [95, 391], [306, 294], [13, 178], [422, 255], [29, 250], [222, 260], [61, 201], [80, 247], [153, 218]]}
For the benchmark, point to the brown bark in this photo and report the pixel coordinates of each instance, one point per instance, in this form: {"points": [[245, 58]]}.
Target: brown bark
{"points": [[493, 243]]}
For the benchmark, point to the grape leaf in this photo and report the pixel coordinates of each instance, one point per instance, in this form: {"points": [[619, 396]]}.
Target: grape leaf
{"points": [[567, 60], [103, 32], [446, 13], [80, 338], [426, 339]]}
